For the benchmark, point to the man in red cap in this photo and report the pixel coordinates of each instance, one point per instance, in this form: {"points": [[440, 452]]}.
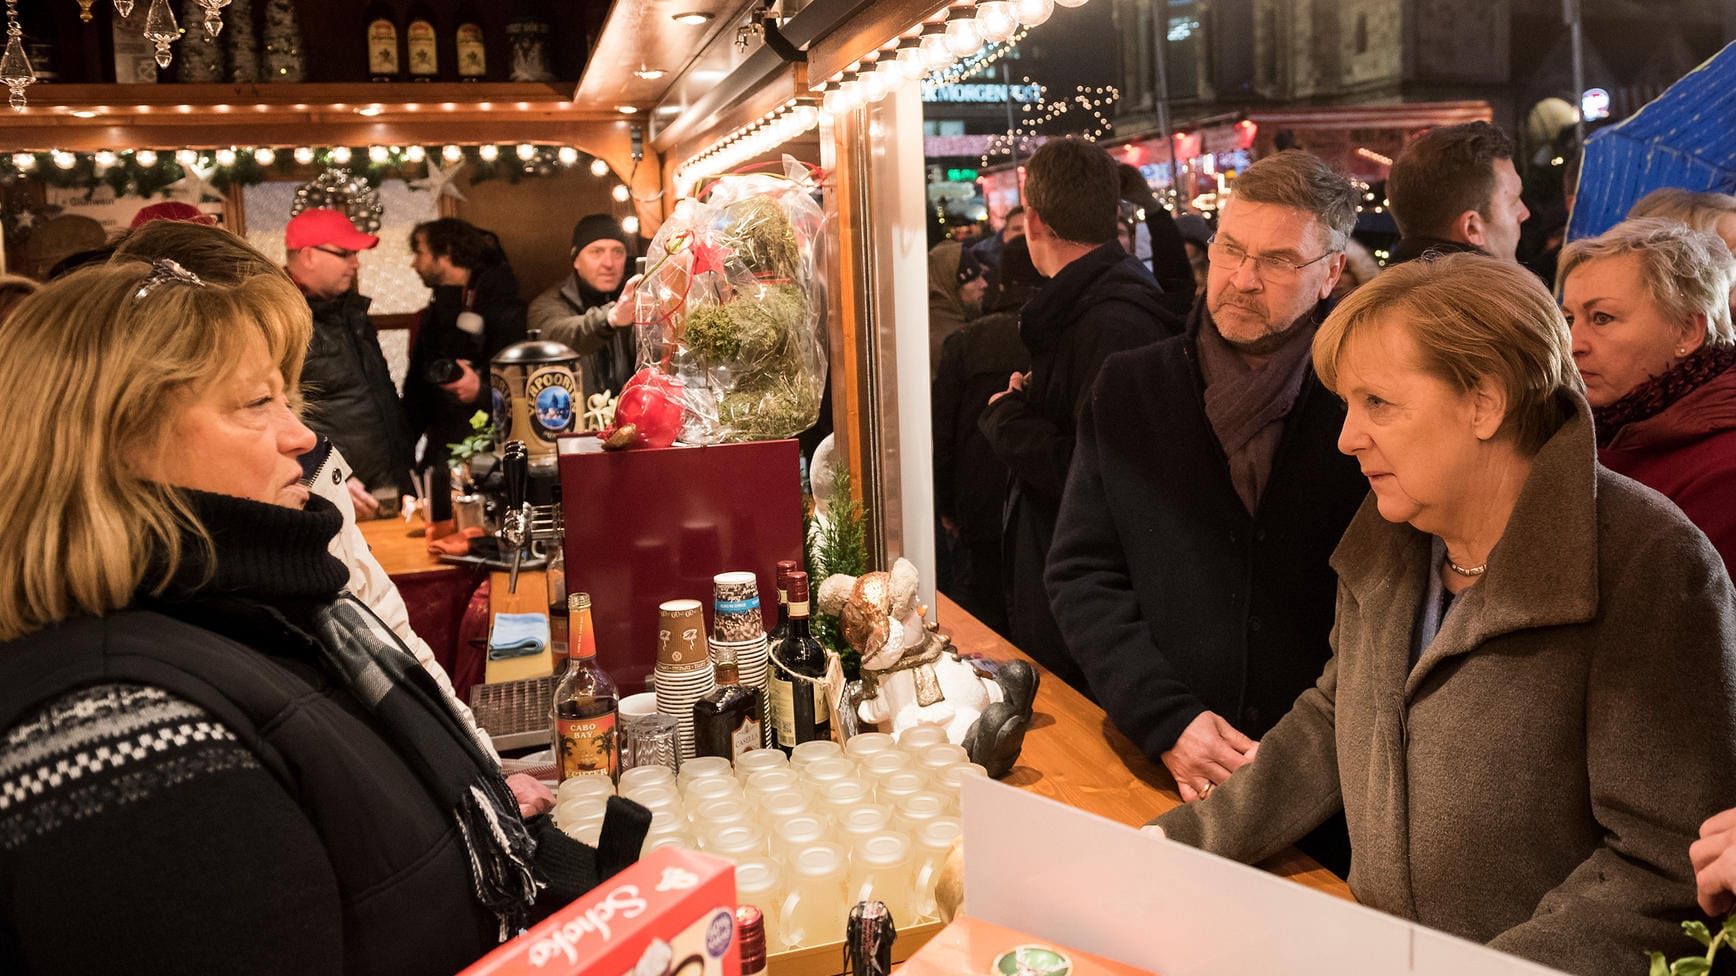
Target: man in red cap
{"points": [[348, 390]]}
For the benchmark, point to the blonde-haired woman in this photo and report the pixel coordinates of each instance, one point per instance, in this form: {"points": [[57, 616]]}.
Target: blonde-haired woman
{"points": [[1700, 209], [1532, 700], [213, 759], [1649, 306]]}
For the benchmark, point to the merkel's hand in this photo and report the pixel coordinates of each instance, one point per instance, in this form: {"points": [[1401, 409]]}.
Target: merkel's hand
{"points": [[1208, 751], [1714, 857], [533, 797]]}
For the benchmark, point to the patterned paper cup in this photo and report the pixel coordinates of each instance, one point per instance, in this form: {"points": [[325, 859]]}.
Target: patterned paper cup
{"points": [[736, 608], [681, 644]]}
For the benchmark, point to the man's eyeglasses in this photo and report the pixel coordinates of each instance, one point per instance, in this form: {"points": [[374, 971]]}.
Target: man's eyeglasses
{"points": [[1269, 267], [338, 252]]}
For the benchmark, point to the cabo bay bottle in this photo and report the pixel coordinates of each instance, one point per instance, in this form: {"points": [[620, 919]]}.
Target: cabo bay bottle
{"points": [[728, 721], [799, 710], [383, 60], [585, 703]]}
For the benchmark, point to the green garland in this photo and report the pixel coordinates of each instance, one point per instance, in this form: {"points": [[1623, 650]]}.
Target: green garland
{"points": [[839, 545]]}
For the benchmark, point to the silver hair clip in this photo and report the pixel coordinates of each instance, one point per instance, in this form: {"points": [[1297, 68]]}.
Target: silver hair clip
{"points": [[164, 270]]}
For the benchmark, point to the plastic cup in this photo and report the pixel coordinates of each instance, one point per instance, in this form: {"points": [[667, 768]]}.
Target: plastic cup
{"points": [[918, 809], [648, 775], [758, 760], [864, 744], [766, 782], [902, 783], [759, 882], [656, 841], [579, 787], [712, 788], [814, 905], [861, 822], [736, 841], [792, 834], [807, 752], [786, 804], [919, 737], [881, 868], [932, 844], [938, 757], [823, 771], [719, 813], [842, 795], [890, 761], [700, 767]]}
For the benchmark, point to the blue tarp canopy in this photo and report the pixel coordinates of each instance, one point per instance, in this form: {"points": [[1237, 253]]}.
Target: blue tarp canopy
{"points": [[1686, 138]]}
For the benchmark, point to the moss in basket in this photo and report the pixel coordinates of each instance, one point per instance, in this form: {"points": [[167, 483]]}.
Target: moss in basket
{"points": [[761, 236]]}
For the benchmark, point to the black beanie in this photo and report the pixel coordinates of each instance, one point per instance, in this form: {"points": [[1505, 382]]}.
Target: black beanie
{"points": [[597, 227]]}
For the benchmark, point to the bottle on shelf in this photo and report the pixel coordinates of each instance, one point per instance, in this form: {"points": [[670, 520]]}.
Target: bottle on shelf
{"points": [[585, 703], [727, 721], [750, 934], [385, 62], [556, 575], [799, 708], [785, 568], [421, 43], [470, 48]]}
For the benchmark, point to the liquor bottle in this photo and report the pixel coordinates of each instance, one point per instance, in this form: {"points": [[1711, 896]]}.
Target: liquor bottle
{"points": [[470, 47], [785, 568], [750, 934], [527, 41], [384, 63], [585, 702], [422, 43], [727, 721], [556, 575], [799, 710]]}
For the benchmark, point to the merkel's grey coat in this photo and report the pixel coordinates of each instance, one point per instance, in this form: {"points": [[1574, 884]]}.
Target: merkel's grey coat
{"points": [[1535, 781]]}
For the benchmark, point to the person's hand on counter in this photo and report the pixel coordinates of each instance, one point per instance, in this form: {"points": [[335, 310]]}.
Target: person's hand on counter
{"points": [[533, 797], [1714, 857], [1205, 754]]}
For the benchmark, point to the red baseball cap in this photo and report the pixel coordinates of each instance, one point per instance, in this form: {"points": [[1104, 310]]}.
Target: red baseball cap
{"points": [[171, 210], [311, 228]]}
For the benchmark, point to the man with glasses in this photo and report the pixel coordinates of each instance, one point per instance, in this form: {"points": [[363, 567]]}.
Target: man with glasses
{"points": [[348, 390], [1189, 570]]}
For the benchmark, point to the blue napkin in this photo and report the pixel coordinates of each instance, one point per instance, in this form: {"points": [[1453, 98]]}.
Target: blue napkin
{"points": [[518, 635]]}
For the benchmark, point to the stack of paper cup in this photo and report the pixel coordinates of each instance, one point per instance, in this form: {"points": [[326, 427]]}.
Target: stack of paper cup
{"points": [[683, 673], [738, 626]]}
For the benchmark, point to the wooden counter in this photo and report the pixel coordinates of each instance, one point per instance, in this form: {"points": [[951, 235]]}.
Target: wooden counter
{"points": [[1072, 754]]}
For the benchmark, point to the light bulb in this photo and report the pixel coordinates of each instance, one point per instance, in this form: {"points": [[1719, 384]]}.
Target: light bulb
{"points": [[265, 155], [452, 154], [807, 117], [143, 157], [186, 157], [104, 158], [304, 156], [630, 224], [850, 96], [567, 155], [341, 155], [832, 102], [488, 152], [962, 36], [889, 72], [225, 157], [599, 168], [1071, 3], [24, 161], [873, 86], [994, 20], [415, 154], [64, 159], [526, 151], [935, 52], [912, 63], [1032, 13], [620, 193], [379, 155]]}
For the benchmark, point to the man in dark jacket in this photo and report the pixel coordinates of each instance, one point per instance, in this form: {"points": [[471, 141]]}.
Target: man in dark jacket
{"points": [[1189, 571], [581, 311], [345, 382], [476, 312], [1455, 189], [1099, 300], [970, 483]]}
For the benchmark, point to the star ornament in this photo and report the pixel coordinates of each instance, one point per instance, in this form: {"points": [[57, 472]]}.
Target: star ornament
{"points": [[440, 181], [195, 183], [708, 257]]}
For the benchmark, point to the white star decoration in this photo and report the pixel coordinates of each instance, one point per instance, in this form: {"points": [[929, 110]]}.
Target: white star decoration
{"points": [[439, 181], [196, 183]]}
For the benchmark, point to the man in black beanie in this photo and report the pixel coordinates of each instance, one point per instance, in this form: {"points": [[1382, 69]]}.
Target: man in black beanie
{"points": [[580, 311]]}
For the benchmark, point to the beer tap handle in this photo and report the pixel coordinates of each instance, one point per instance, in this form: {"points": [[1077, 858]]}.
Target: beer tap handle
{"points": [[515, 468], [515, 523]]}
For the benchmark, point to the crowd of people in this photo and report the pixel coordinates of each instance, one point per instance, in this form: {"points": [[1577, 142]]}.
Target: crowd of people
{"points": [[1424, 569]]}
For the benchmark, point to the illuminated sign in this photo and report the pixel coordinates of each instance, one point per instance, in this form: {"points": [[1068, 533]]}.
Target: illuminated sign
{"points": [[961, 175], [1594, 104], [983, 94]]}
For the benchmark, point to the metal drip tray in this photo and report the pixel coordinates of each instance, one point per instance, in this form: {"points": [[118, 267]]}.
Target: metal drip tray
{"points": [[515, 714]]}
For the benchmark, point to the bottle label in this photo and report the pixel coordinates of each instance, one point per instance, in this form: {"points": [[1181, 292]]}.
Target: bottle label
{"points": [[551, 394], [382, 47], [749, 736], [587, 746], [783, 710], [420, 38], [472, 53]]}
